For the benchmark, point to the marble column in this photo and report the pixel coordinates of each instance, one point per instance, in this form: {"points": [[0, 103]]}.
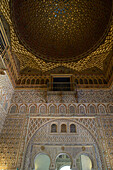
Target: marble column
{"points": [[75, 168]]}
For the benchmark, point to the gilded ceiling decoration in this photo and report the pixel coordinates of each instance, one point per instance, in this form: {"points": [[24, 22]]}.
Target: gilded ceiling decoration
{"points": [[93, 59], [61, 30]]}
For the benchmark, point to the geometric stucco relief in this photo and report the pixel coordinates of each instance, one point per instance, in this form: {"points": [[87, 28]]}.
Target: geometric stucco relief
{"points": [[83, 96], [82, 137]]}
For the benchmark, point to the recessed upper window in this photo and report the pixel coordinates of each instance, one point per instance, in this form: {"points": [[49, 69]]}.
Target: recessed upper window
{"points": [[53, 128], [63, 128], [72, 128]]}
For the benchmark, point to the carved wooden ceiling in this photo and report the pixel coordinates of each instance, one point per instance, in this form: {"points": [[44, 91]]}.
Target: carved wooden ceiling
{"points": [[61, 30], [77, 35]]}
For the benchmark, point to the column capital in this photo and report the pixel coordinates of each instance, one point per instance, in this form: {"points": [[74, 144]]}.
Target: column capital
{"points": [[52, 167]]}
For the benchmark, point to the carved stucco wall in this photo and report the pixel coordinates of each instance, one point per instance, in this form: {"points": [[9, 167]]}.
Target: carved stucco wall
{"points": [[55, 143], [105, 132], [83, 96], [34, 108], [6, 91]]}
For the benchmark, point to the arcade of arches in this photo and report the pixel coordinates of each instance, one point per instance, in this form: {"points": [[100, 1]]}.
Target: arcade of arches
{"points": [[56, 85]]}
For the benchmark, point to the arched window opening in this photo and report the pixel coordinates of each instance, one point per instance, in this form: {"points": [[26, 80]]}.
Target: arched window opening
{"points": [[33, 81], [95, 81], [85, 81], [81, 81], [63, 162], [72, 128], [100, 81], [42, 81], [63, 128], [53, 128], [84, 162], [42, 162], [28, 81], [23, 81], [19, 81], [37, 81], [90, 81], [76, 81]]}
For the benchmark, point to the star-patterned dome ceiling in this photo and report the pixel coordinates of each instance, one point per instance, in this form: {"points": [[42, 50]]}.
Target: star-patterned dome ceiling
{"points": [[61, 30]]}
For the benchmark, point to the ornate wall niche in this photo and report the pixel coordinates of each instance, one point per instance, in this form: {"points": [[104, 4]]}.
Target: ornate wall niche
{"points": [[13, 108], [91, 109], [62, 109], [110, 108], [82, 109], [101, 109], [72, 109], [32, 108], [52, 109], [42, 109], [23, 108]]}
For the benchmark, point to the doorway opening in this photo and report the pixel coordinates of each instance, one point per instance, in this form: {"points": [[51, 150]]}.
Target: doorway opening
{"points": [[63, 162]]}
